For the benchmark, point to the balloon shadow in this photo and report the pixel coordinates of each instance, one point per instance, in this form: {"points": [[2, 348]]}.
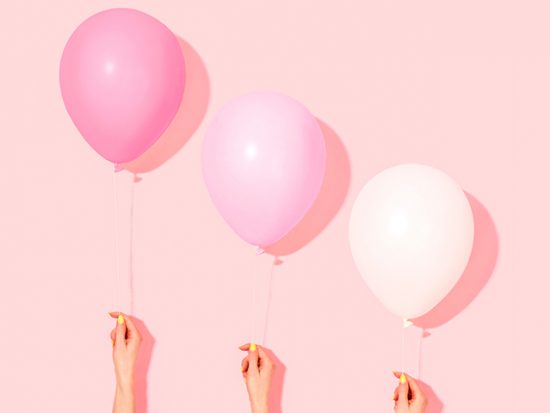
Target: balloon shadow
{"points": [[189, 116], [476, 275], [331, 196], [142, 365], [277, 382]]}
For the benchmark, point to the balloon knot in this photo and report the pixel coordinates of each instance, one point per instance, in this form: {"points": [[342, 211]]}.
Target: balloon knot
{"points": [[259, 251], [407, 323], [118, 167]]}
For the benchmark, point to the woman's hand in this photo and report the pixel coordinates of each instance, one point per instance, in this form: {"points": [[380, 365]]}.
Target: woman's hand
{"points": [[408, 396], [126, 341], [257, 369]]}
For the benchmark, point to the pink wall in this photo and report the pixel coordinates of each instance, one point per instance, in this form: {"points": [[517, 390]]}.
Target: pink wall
{"points": [[462, 87]]}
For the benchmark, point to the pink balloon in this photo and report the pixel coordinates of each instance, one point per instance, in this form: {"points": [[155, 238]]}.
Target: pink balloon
{"points": [[263, 163], [122, 76]]}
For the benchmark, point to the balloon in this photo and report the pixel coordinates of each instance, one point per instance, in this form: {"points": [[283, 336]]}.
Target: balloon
{"points": [[122, 76], [263, 164], [411, 233]]}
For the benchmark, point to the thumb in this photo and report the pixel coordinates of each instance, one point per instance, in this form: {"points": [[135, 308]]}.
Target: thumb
{"points": [[120, 331], [253, 360], [403, 393]]}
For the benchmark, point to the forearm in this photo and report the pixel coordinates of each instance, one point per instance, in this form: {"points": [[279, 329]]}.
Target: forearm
{"points": [[259, 407], [124, 399]]}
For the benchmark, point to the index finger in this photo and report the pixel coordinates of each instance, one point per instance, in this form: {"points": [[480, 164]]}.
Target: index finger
{"points": [[415, 389], [402, 396], [133, 333], [265, 361], [413, 384], [120, 332]]}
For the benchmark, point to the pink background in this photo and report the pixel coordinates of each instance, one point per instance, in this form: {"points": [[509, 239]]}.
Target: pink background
{"points": [[464, 87]]}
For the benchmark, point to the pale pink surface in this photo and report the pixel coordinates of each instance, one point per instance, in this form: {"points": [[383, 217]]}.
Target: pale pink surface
{"points": [[463, 87]]}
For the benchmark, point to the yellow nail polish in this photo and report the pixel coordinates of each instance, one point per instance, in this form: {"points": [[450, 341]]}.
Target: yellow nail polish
{"points": [[253, 347], [120, 319], [402, 379]]}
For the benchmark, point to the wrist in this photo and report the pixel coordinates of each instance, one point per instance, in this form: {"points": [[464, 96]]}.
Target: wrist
{"points": [[260, 407], [125, 385]]}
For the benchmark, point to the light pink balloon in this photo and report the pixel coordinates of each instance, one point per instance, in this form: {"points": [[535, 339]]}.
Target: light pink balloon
{"points": [[122, 76], [263, 164]]}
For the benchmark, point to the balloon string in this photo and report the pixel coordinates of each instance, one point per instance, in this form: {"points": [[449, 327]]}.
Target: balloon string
{"points": [[406, 324], [268, 304], [131, 255], [253, 312], [117, 259], [253, 309], [403, 349]]}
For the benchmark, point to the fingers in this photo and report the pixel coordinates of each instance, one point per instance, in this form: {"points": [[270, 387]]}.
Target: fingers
{"points": [[133, 336], [244, 366], [253, 358], [257, 360], [402, 394], [253, 367], [120, 331], [417, 396], [125, 324], [414, 388], [415, 391], [265, 362], [114, 314], [408, 394]]}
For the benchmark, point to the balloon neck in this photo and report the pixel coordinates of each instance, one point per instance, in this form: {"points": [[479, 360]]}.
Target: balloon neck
{"points": [[118, 167], [259, 251], [407, 323]]}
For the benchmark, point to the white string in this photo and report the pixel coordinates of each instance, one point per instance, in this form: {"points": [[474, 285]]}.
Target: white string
{"points": [[268, 299], [403, 349], [406, 324], [253, 310], [420, 345], [117, 259], [131, 255]]}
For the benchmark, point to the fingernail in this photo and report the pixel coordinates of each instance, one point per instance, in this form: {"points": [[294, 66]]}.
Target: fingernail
{"points": [[120, 319], [402, 379], [393, 396], [244, 381], [112, 342], [253, 347]]}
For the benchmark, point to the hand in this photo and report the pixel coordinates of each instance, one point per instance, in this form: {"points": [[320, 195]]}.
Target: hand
{"points": [[126, 341], [257, 369], [408, 396]]}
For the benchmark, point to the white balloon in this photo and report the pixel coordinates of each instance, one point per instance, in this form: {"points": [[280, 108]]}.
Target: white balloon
{"points": [[411, 233]]}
